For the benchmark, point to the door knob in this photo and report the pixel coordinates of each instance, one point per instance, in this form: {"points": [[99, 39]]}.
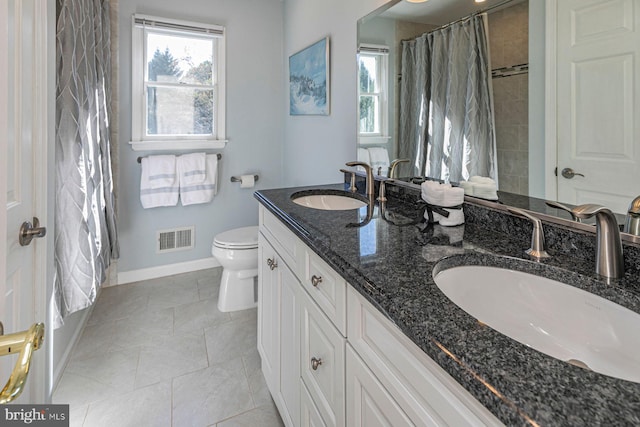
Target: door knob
{"points": [[315, 363], [28, 231], [570, 173]]}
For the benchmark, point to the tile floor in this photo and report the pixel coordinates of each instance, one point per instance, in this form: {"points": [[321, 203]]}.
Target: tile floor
{"points": [[159, 353]]}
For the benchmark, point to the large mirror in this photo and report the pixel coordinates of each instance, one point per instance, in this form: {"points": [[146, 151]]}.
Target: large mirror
{"points": [[530, 108]]}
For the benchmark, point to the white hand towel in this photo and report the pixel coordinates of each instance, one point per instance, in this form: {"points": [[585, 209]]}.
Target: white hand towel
{"points": [[379, 160], [191, 194], [453, 196], [456, 217], [482, 179], [153, 197], [468, 187], [432, 192], [485, 191], [192, 168], [443, 195], [161, 170]]}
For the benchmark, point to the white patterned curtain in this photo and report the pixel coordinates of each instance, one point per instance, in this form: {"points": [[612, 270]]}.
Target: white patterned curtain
{"points": [[447, 123], [85, 222]]}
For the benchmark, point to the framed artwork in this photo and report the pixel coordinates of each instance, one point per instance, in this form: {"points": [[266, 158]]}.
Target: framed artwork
{"points": [[309, 80]]}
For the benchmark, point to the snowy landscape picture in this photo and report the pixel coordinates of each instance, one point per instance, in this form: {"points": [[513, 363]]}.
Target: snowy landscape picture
{"points": [[309, 80]]}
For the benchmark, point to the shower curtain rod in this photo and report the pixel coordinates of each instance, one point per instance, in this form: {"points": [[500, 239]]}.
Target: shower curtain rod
{"points": [[495, 6]]}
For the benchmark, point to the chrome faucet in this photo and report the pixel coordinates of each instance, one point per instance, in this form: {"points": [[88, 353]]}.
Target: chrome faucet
{"points": [[352, 182], [609, 259], [394, 164], [632, 223], [557, 205], [537, 249], [369, 172]]}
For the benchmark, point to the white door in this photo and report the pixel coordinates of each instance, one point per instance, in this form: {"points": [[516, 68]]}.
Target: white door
{"points": [[598, 101], [23, 133]]}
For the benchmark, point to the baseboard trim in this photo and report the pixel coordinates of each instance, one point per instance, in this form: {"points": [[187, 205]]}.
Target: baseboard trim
{"points": [[166, 270], [64, 360]]}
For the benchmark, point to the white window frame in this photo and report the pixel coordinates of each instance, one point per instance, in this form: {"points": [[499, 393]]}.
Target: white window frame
{"points": [[140, 141], [381, 53]]}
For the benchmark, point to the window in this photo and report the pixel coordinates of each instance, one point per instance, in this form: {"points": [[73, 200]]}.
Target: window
{"points": [[178, 93], [372, 92]]}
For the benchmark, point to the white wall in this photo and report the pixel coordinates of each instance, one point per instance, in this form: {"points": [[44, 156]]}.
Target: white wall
{"points": [[255, 95], [316, 147]]}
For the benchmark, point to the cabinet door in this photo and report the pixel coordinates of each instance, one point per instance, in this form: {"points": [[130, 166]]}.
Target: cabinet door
{"points": [[322, 362], [309, 414], [279, 331], [268, 314], [369, 404], [290, 346]]}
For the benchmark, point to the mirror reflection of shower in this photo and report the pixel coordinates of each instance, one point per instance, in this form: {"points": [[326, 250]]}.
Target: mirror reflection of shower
{"points": [[380, 39]]}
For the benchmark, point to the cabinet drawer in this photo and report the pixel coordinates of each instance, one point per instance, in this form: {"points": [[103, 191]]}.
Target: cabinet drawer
{"points": [[283, 240], [327, 288], [424, 391], [322, 363]]}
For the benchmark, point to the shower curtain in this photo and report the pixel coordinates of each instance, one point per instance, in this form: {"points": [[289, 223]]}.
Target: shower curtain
{"points": [[85, 221], [446, 124]]}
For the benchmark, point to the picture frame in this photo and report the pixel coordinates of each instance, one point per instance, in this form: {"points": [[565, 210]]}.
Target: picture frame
{"points": [[309, 80]]}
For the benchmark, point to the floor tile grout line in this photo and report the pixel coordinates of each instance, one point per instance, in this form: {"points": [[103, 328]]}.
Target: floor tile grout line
{"points": [[199, 332], [246, 377]]}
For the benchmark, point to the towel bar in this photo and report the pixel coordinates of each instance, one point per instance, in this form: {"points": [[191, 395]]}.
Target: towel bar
{"points": [[238, 179], [218, 154]]}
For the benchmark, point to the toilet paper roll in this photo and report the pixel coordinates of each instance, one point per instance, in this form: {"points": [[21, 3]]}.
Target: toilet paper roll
{"points": [[247, 181]]}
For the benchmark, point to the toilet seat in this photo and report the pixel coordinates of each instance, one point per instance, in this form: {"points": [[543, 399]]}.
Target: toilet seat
{"points": [[238, 238]]}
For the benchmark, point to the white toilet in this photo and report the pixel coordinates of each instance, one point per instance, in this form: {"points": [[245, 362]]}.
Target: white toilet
{"points": [[237, 251]]}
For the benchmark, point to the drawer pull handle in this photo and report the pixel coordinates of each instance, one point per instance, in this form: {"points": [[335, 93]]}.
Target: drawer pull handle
{"points": [[315, 362], [272, 263], [316, 280]]}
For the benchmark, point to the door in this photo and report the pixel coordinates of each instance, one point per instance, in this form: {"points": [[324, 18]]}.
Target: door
{"points": [[598, 101], [24, 101]]}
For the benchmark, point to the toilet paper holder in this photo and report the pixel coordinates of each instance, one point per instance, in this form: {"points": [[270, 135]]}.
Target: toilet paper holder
{"points": [[238, 179]]}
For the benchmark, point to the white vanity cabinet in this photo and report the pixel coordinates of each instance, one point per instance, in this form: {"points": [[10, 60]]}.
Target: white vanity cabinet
{"points": [[322, 368], [279, 292], [332, 359], [369, 404], [413, 382]]}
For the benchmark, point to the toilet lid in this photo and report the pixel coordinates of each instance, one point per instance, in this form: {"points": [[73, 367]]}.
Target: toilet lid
{"points": [[238, 238]]}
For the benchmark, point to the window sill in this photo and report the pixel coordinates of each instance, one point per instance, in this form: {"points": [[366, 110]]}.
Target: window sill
{"points": [[177, 145], [371, 140]]}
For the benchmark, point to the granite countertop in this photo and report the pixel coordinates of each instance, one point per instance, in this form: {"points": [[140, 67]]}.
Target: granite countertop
{"points": [[391, 260]]}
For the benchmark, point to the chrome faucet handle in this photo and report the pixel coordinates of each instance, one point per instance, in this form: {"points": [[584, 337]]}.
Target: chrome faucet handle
{"points": [[369, 172], [609, 257], [352, 183], [557, 205], [394, 164], [632, 222], [382, 191], [537, 249]]}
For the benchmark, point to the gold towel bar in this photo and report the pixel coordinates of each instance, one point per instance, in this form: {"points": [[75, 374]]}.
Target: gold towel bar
{"points": [[26, 343]]}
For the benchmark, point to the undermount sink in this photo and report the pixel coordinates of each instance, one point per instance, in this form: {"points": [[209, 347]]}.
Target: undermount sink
{"points": [[329, 201], [554, 318]]}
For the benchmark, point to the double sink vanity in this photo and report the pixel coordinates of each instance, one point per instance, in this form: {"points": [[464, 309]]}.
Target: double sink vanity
{"points": [[369, 316]]}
